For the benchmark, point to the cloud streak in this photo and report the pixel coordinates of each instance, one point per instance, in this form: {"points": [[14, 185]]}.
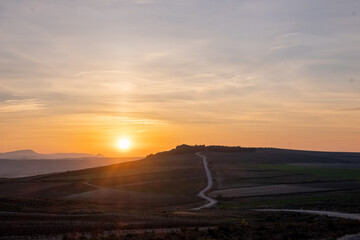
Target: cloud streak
{"points": [[20, 105], [251, 65]]}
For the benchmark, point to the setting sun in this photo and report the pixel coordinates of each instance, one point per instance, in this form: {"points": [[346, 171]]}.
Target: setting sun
{"points": [[124, 143]]}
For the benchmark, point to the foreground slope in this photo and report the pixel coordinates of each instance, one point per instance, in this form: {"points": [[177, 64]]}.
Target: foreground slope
{"points": [[12, 168], [241, 177], [161, 181], [158, 192]]}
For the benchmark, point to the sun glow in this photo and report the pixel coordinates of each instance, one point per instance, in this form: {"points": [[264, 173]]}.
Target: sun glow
{"points": [[124, 143]]}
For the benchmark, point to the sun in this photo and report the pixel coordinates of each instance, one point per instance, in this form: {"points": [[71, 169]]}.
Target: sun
{"points": [[124, 143]]}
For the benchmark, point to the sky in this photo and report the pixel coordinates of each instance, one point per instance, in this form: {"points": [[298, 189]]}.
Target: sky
{"points": [[79, 75]]}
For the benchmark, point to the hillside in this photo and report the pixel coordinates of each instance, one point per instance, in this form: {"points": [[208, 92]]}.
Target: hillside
{"points": [[160, 191], [170, 180], [175, 177], [20, 168]]}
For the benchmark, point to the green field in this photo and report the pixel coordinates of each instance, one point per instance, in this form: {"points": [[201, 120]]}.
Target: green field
{"points": [[330, 173], [337, 201], [160, 190]]}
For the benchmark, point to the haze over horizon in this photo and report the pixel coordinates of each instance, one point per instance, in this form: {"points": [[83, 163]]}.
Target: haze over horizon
{"points": [[78, 76]]}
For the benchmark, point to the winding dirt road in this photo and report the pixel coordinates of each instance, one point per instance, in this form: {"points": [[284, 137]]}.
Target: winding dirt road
{"points": [[201, 194]]}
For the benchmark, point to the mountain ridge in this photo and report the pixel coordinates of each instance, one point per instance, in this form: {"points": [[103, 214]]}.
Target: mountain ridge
{"points": [[29, 154]]}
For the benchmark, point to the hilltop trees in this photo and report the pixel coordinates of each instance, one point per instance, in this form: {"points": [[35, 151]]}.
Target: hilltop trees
{"points": [[184, 148]]}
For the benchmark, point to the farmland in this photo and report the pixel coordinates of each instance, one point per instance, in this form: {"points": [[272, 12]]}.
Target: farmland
{"points": [[160, 190]]}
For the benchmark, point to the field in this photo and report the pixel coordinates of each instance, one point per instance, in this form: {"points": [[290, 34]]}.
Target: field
{"points": [[159, 191], [325, 171], [173, 180], [285, 178], [264, 190]]}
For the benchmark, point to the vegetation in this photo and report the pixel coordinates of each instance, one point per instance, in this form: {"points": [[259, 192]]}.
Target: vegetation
{"points": [[346, 201], [185, 149], [349, 174], [284, 226], [151, 198]]}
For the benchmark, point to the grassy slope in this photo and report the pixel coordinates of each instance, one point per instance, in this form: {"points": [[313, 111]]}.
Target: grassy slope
{"points": [[161, 181], [136, 168], [182, 176]]}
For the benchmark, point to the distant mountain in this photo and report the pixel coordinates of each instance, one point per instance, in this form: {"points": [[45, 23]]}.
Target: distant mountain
{"points": [[28, 162], [30, 154]]}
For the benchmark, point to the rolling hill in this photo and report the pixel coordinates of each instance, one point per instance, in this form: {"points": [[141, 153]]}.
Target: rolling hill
{"points": [[175, 177], [161, 189], [21, 168], [148, 182]]}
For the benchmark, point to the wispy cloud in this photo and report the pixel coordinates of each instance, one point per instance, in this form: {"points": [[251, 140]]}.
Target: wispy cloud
{"points": [[250, 64], [351, 109], [20, 105]]}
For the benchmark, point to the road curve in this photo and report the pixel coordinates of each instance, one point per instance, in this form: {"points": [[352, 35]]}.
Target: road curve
{"points": [[355, 216], [201, 194]]}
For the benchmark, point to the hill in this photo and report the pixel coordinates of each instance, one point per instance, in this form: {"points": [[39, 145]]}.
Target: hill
{"points": [[176, 176], [184, 148], [20, 168], [160, 190], [147, 182], [30, 154]]}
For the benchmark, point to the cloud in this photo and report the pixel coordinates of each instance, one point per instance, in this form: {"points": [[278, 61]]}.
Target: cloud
{"points": [[351, 109], [20, 105], [6, 95], [191, 59]]}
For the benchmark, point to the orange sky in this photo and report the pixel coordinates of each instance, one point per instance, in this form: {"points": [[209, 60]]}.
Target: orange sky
{"points": [[92, 135], [77, 76]]}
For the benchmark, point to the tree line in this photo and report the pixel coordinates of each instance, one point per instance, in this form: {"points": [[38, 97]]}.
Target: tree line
{"points": [[184, 148]]}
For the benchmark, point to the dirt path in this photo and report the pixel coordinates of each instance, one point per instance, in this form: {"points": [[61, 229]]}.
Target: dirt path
{"points": [[354, 216], [211, 201], [201, 194], [91, 185]]}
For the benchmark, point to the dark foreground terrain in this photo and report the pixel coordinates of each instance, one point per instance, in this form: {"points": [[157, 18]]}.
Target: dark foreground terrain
{"points": [[152, 198]]}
